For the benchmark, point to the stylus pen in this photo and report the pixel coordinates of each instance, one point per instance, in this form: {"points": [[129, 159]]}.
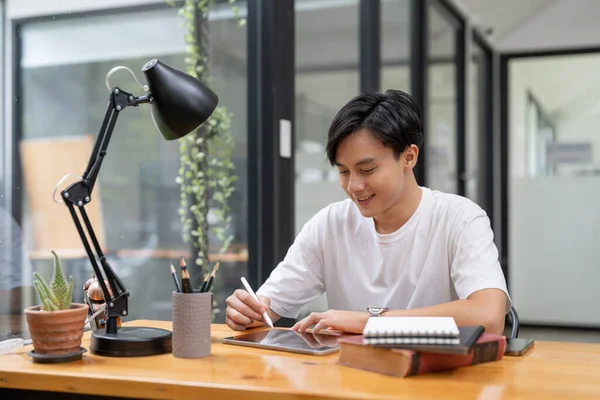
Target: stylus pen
{"points": [[249, 290]]}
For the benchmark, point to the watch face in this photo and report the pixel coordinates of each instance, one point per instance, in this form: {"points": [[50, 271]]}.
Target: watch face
{"points": [[376, 311]]}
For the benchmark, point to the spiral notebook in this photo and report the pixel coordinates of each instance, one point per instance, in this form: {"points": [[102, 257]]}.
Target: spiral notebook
{"points": [[411, 330]]}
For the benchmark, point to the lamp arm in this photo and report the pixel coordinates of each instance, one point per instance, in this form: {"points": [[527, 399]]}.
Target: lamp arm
{"points": [[117, 101], [79, 194]]}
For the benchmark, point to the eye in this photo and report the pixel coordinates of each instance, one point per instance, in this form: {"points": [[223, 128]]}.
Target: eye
{"points": [[344, 172], [367, 171]]}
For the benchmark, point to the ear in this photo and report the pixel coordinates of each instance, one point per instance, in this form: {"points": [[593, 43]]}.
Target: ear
{"points": [[411, 155]]}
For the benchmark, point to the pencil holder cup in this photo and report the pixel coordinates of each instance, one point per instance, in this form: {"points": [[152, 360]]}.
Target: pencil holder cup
{"points": [[192, 316]]}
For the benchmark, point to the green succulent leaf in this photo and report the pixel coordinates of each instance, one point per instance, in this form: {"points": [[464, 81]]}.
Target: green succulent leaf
{"points": [[67, 301], [45, 292], [57, 294]]}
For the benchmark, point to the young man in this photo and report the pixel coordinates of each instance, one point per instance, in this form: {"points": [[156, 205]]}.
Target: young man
{"points": [[392, 244]]}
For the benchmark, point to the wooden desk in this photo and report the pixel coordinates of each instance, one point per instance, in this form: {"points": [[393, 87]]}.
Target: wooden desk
{"points": [[550, 371]]}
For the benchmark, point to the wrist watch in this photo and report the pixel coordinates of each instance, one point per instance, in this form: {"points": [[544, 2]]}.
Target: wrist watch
{"points": [[376, 311]]}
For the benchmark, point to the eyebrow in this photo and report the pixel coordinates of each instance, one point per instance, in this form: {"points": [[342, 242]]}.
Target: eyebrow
{"points": [[367, 160]]}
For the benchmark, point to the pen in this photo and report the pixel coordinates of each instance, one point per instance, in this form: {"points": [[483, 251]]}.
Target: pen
{"points": [[174, 275], [249, 290]]}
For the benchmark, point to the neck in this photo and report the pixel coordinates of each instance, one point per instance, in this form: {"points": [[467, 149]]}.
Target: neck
{"points": [[400, 212]]}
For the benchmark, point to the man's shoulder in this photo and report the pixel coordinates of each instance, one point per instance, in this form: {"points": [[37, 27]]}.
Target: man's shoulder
{"points": [[342, 212], [334, 220], [454, 207]]}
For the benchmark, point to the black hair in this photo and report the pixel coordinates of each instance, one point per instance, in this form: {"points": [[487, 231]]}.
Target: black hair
{"points": [[393, 117]]}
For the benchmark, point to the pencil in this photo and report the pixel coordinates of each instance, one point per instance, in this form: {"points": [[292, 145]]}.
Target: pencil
{"points": [[185, 277], [174, 275], [212, 276], [205, 282], [185, 281]]}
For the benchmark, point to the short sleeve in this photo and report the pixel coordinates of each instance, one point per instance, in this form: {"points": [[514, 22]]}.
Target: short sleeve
{"points": [[299, 278], [475, 264]]}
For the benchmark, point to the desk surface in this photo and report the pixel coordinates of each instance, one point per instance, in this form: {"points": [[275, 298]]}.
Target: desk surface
{"points": [[550, 370]]}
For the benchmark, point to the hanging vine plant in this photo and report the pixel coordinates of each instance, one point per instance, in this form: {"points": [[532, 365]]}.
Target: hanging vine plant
{"points": [[206, 174]]}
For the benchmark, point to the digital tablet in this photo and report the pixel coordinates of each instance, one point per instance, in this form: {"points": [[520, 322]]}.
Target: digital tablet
{"points": [[288, 340]]}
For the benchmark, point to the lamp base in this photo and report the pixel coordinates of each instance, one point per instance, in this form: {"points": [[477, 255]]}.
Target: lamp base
{"points": [[131, 341]]}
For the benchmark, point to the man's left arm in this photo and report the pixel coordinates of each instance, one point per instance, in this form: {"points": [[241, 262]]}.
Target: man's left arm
{"points": [[475, 273], [485, 307]]}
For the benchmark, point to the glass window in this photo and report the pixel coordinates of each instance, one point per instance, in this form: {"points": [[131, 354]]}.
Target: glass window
{"points": [[395, 45], [2, 120], [3, 156], [553, 189], [540, 136], [10, 232], [327, 77], [476, 120], [440, 130], [134, 210]]}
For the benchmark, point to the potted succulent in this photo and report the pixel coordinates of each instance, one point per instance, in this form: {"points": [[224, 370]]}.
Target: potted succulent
{"points": [[56, 326]]}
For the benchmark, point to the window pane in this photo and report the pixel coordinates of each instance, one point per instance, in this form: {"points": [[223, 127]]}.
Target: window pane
{"points": [[440, 135], [327, 77], [2, 120], [135, 203], [476, 115], [395, 45]]}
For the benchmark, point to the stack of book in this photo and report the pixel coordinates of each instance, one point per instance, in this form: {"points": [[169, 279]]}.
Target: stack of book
{"points": [[411, 330], [404, 346]]}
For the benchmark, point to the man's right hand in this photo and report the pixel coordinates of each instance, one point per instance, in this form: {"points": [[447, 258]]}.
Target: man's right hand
{"points": [[242, 310]]}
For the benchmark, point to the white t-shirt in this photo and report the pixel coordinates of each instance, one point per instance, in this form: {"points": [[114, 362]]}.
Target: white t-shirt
{"points": [[444, 252]]}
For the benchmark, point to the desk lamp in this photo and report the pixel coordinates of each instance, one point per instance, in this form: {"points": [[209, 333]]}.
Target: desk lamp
{"points": [[179, 104]]}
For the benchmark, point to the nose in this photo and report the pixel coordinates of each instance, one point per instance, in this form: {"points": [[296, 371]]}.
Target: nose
{"points": [[355, 184]]}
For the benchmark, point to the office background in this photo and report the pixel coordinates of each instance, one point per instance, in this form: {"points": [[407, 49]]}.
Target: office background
{"points": [[508, 98]]}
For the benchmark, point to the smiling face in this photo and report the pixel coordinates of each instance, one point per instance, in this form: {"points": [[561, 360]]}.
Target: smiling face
{"points": [[371, 175]]}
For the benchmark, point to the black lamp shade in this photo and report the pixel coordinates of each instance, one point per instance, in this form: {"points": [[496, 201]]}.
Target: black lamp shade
{"points": [[181, 103]]}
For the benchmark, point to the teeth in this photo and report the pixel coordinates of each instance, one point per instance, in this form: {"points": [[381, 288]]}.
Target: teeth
{"points": [[364, 198]]}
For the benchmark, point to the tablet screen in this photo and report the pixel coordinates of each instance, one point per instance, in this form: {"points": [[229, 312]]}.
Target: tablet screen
{"points": [[288, 340]]}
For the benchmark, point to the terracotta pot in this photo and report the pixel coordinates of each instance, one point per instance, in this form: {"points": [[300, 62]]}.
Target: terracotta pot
{"points": [[56, 332]]}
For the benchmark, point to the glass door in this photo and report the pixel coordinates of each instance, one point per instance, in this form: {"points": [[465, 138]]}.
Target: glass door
{"points": [[553, 174], [441, 126], [327, 77]]}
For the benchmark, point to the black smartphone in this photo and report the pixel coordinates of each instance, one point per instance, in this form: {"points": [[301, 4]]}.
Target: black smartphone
{"points": [[518, 346]]}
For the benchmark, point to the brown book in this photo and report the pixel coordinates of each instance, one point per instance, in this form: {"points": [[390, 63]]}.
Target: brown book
{"points": [[401, 362]]}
